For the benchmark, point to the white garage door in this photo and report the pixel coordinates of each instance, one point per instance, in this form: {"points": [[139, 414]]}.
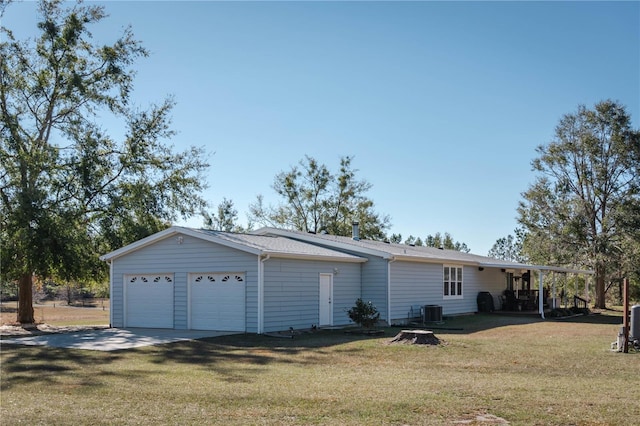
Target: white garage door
{"points": [[149, 300], [217, 301]]}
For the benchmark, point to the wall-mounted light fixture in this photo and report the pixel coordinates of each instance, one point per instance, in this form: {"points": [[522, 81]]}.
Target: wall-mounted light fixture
{"points": [[335, 271], [180, 239], [480, 268]]}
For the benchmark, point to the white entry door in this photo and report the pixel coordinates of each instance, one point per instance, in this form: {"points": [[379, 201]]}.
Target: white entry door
{"points": [[326, 299]]}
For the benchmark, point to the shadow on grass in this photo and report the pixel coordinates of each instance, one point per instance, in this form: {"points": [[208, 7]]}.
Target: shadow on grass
{"points": [[38, 366], [597, 318], [467, 324], [252, 349]]}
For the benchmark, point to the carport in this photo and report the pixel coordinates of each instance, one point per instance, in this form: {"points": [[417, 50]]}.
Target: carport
{"points": [[542, 272]]}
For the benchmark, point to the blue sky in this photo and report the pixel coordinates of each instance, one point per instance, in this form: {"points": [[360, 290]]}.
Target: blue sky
{"points": [[441, 104]]}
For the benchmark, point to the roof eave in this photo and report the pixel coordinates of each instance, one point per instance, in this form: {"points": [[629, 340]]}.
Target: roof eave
{"points": [[534, 267]]}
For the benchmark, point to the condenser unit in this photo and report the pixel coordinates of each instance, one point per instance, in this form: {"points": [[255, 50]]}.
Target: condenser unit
{"points": [[431, 313]]}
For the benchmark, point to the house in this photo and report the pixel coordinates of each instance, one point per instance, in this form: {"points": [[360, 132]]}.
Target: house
{"points": [[274, 279], [206, 280]]}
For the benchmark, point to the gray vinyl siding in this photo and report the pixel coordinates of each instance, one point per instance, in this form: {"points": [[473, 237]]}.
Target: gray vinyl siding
{"points": [[475, 281], [116, 296], [291, 292], [374, 284], [193, 255], [415, 284], [489, 279]]}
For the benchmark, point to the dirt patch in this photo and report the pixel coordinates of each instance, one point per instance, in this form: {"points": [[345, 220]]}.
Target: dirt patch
{"points": [[482, 419]]}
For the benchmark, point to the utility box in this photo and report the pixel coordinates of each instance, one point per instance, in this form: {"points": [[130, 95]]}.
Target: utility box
{"points": [[634, 325]]}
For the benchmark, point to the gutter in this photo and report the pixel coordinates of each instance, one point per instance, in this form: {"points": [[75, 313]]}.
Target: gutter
{"points": [[391, 260]]}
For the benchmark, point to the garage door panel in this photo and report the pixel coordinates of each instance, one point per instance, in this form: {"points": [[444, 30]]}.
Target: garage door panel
{"points": [[217, 302], [149, 301]]}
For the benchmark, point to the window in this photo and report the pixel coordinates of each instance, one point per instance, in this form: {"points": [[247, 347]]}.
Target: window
{"points": [[452, 282]]}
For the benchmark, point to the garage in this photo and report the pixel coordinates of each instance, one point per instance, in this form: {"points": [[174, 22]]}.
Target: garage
{"points": [[217, 301], [149, 300]]}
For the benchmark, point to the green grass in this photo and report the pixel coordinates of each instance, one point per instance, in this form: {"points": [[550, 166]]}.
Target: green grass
{"points": [[521, 369]]}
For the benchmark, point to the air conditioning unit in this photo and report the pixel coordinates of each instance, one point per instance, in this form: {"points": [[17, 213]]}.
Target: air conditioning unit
{"points": [[431, 313]]}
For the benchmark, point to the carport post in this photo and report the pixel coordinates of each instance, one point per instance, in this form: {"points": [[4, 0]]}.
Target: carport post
{"points": [[553, 291], [541, 295]]}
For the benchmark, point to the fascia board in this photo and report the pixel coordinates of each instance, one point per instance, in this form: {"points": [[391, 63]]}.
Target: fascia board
{"points": [[534, 267]]}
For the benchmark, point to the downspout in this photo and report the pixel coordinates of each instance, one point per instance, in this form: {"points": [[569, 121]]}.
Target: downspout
{"points": [[541, 295], [261, 261], [393, 259]]}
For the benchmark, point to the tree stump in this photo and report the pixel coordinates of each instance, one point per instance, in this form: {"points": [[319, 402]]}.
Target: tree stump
{"points": [[416, 337]]}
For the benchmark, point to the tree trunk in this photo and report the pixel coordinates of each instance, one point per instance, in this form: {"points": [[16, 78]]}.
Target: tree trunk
{"points": [[25, 299], [600, 287]]}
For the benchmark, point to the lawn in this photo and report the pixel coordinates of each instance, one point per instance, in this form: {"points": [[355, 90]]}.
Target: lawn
{"points": [[522, 370], [59, 313]]}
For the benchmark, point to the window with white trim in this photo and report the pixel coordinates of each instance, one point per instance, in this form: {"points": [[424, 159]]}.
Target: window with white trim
{"points": [[452, 282]]}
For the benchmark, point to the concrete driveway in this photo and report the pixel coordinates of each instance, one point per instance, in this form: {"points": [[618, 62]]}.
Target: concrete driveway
{"points": [[114, 339]]}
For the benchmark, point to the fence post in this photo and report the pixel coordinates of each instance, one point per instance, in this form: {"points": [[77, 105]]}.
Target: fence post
{"points": [[625, 310]]}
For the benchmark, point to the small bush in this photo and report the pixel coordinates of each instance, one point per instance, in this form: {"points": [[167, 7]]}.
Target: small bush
{"points": [[364, 314]]}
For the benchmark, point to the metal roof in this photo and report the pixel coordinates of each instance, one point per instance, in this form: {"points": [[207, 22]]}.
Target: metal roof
{"points": [[273, 246], [410, 253]]}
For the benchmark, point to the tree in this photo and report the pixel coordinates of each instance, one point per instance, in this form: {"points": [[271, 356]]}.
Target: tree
{"points": [[508, 248], [365, 314], [582, 207], [413, 241], [445, 241], [225, 220], [316, 200], [70, 191], [395, 238]]}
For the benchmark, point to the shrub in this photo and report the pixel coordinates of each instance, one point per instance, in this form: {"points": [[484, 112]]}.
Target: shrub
{"points": [[364, 314]]}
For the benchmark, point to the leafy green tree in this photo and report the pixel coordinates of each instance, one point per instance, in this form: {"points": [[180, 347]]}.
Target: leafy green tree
{"points": [[226, 218], [395, 238], [508, 248], [70, 191], [445, 241], [316, 200], [582, 208]]}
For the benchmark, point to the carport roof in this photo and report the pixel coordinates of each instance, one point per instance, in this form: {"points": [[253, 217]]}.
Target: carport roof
{"points": [[260, 245]]}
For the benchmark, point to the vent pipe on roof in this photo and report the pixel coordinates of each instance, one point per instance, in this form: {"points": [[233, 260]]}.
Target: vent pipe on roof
{"points": [[356, 231]]}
